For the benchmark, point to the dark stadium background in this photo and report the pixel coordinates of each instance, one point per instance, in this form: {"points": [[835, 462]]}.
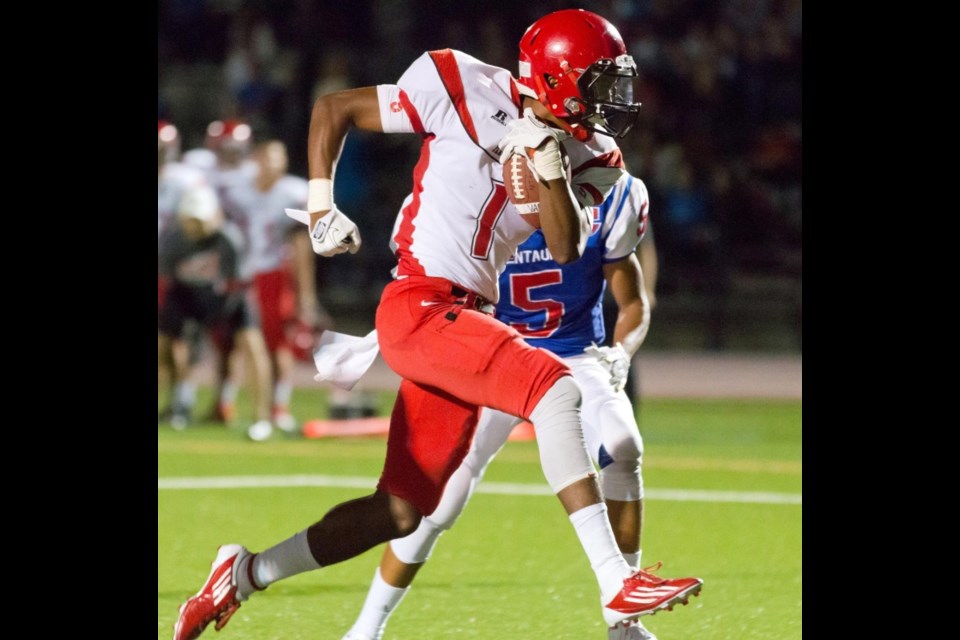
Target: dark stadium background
{"points": [[719, 142]]}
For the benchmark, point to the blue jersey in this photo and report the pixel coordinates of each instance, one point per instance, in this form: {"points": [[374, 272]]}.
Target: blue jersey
{"points": [[558, 307]]}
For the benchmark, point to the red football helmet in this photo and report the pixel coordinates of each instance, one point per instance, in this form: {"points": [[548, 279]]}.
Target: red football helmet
{"points": [[576, 63], [168, 141], [230, 139]]}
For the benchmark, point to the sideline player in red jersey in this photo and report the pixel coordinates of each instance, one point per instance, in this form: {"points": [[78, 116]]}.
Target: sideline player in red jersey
{"points": [[280, 262], [434, 326]]}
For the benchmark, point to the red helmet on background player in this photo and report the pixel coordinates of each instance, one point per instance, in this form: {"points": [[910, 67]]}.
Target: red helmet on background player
{"points": [[168, 142], [229, 139], [576, 63]]}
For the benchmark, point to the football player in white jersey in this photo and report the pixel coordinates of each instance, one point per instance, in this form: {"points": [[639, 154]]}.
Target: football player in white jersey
{"points": [[434, 322], [280, 262], [225, 155], [201, 263], [174, 179], [558, 308], [225, 160]]}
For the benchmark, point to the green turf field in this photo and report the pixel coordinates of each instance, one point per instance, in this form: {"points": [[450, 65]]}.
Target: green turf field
{"points": [[512, 568]]}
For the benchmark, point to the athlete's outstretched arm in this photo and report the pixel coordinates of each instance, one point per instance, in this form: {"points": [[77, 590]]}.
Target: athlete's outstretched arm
{"points": [[332, 117]]}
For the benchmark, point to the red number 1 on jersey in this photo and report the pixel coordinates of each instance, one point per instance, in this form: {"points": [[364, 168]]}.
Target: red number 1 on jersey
{"points": [[487, 220]]}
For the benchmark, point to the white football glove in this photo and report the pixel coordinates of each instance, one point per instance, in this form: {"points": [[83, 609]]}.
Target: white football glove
{"points": [[529, 132], [335, 233], [615, 360]]}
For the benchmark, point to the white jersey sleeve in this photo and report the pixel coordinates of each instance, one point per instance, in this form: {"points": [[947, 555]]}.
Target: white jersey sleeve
{"points": [[626, 218], [418, 103], [393, 117], [596, 166]]}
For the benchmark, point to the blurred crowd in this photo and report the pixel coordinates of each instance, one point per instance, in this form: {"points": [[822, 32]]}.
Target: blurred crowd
{"points": [[719, 141]]}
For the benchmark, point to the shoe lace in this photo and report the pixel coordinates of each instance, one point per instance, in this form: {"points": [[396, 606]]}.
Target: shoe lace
{"points": [[647, 573], [654, 567]]}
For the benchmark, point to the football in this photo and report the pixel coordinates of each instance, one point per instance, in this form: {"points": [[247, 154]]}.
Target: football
{"points": [[522, 188]]}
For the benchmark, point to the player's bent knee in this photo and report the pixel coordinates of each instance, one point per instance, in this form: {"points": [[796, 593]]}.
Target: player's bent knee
{"points": [[406, 526], [405, 517], [621, 438], [556, 420], [620, 477], [625, 447]]}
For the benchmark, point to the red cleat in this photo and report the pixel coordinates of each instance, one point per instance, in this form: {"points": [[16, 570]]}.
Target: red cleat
{"points": [[216, 600], [644, 593], [222, 413]]}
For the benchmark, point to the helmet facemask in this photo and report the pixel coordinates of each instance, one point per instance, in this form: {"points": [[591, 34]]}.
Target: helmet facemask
{"points": [[606, 103]]}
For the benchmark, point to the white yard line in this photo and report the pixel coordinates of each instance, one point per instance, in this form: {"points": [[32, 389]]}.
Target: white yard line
{"points": [[504, 488]]}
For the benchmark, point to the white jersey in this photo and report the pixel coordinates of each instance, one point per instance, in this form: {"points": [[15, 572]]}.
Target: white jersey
{"points": [[260, 216], [173, 181], [458, 223], [203, 159], [220, 178], [244, 173]]}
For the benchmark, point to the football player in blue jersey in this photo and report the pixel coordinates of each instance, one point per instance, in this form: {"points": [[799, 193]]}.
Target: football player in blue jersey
{"points": [[558, 308]]}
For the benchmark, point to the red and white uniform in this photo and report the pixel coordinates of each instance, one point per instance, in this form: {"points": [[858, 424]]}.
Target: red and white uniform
{"points": [[458, 223], [455, 232], [173, 181], [222, 179], [265, 226]]}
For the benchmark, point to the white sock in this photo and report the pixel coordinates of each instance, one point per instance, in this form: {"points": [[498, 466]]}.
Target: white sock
{"points": [[290, 557], [593, 529], [185, 395], [381, 600], [228, 392], [632, 559], [281, 394]]}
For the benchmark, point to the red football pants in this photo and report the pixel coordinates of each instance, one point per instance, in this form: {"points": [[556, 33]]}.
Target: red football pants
{"points": [[454, 360]]}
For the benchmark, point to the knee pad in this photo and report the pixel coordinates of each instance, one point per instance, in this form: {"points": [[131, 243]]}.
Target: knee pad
{"points": [[556, 419], [621, 454]]}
